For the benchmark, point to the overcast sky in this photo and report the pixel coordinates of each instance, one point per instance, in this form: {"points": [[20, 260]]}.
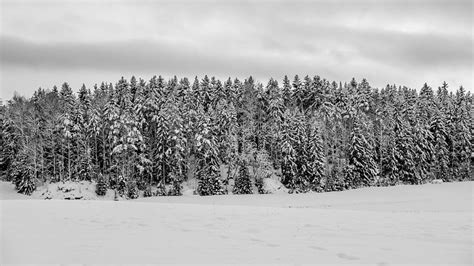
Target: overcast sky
{"points": [[44, 43]]}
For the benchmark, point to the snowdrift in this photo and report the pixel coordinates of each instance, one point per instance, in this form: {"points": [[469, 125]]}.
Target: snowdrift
{"points": [[427, 224]]}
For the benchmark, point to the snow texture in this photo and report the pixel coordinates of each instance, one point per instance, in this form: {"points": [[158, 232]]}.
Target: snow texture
{"points": [[429, 224]]}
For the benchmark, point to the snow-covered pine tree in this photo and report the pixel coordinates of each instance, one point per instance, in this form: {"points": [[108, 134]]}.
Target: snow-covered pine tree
{"points": [[68, 128], [287, 93], [362, 169], [316, 165], [84, 134], [208, 168], [462, 135], [425, 105], [206, 93], [243, 185], [301, 181], [298, 92], [423, 152], [274, 118], [289, 157], [101, 186], [404, 153], [132, 190], [441, 156], [176, 143]]}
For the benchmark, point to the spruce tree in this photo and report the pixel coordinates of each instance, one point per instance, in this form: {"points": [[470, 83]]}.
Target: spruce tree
{"points": [[362, 169], [316, 163], [441, 156], [289, 156], [208, 169], [243, 185]]}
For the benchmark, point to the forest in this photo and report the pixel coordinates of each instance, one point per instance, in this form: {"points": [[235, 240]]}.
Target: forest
{"points": [[311, 133]]}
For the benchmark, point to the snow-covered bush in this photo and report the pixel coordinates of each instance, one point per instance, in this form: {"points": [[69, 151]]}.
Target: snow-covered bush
{"points": [[335, 181], [175, 189], [101, 187], [259, 184], [243, 185], [273, 186], [132, 190], [141, 184], [25, 185], [121, 186], [160, 191], [210, 185], [147, 192]]}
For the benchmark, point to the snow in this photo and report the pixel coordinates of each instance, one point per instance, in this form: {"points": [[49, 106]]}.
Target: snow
{"points": [[273, 186], [429, 224], [68, 190], [83, 190]]}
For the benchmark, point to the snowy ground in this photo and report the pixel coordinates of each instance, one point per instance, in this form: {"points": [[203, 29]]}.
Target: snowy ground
{"points": [[429, 224]]}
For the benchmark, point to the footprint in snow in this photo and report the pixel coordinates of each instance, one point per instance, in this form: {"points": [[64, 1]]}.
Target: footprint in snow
{"points": [[317, 248], [346, 256], [252, 231]]}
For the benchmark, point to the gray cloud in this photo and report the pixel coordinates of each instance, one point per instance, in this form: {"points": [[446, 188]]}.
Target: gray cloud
{"points": [[399, 49], [407, 42]]}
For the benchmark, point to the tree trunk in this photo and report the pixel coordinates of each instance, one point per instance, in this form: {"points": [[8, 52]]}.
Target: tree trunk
{"points": [[69, 160]]}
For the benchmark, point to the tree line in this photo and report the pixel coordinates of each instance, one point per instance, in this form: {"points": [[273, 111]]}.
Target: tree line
{"points": [[314, 134]]}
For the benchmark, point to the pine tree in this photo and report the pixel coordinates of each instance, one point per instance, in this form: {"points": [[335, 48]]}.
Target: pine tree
{"points": [[462, 135], [288, 163], [68, 128], [316, 163], [287, 93], [84, 134], [101, 186], [208, 170], [298, 92], [362, 170], [404, 154], [132, 190], [243, 185], [437, 128]]}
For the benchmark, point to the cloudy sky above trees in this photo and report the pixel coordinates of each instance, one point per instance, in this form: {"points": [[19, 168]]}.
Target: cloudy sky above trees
{"points": [[43, 43]]}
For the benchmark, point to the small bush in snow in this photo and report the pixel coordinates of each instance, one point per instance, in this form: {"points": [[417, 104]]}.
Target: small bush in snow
{"points": [[121, 186], [101, 187], [243, 185], [259, 185], [160, 191], [210, 185], [25, 185], [175, 189], [132, 190], [141, 184], [147, 192]]}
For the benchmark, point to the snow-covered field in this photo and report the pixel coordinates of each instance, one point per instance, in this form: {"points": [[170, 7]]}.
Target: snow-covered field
{"points": [[429, 224]]}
